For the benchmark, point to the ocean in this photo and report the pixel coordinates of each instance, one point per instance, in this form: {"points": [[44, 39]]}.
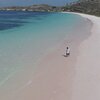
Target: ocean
{"points": [[25, 37]]}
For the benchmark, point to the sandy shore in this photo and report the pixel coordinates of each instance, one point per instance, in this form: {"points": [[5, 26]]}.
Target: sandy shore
{"points": [[86, 84], [73, 78]]}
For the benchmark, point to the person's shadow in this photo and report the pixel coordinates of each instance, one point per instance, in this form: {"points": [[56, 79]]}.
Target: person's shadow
{"points": [[65, 55]]}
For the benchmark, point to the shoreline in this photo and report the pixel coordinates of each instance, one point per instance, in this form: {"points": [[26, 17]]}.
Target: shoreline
{"points": [[87, 78], [59, 78], [87, 72], [64, 68], [54, 77]]}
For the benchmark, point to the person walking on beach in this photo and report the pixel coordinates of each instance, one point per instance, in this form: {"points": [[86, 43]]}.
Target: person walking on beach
{"points": [[67, 51]]}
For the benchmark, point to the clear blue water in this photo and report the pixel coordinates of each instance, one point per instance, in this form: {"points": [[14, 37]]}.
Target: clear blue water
{"points": [[26, 36], [11, 19]]}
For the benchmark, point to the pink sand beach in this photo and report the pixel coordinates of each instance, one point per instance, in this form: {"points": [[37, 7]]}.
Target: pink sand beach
{"points": [[86, 83], [76, 77]]}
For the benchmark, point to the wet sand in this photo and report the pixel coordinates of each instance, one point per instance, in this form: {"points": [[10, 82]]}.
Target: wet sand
{"points": [[55, 75], [67, 78]]}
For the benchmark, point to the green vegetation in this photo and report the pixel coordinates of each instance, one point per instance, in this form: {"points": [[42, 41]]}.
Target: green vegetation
{"points": [[41, 8], [84, 6]]}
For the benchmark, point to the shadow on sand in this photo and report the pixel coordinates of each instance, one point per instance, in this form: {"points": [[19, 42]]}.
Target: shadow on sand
{"points": [[65, 55]]}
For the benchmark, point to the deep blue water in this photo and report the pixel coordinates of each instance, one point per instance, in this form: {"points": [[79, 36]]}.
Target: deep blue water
{"points": [[12, 19]]}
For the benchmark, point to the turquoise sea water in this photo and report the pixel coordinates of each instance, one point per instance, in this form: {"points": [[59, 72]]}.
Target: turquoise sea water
{"points": [[26, 36]]}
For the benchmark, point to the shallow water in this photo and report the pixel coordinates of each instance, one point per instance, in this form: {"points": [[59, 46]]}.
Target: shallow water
{"points": [[25, 37]]}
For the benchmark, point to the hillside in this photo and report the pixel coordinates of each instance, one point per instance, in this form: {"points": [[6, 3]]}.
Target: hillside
{"points": [[84, 6], [40, 7]]}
